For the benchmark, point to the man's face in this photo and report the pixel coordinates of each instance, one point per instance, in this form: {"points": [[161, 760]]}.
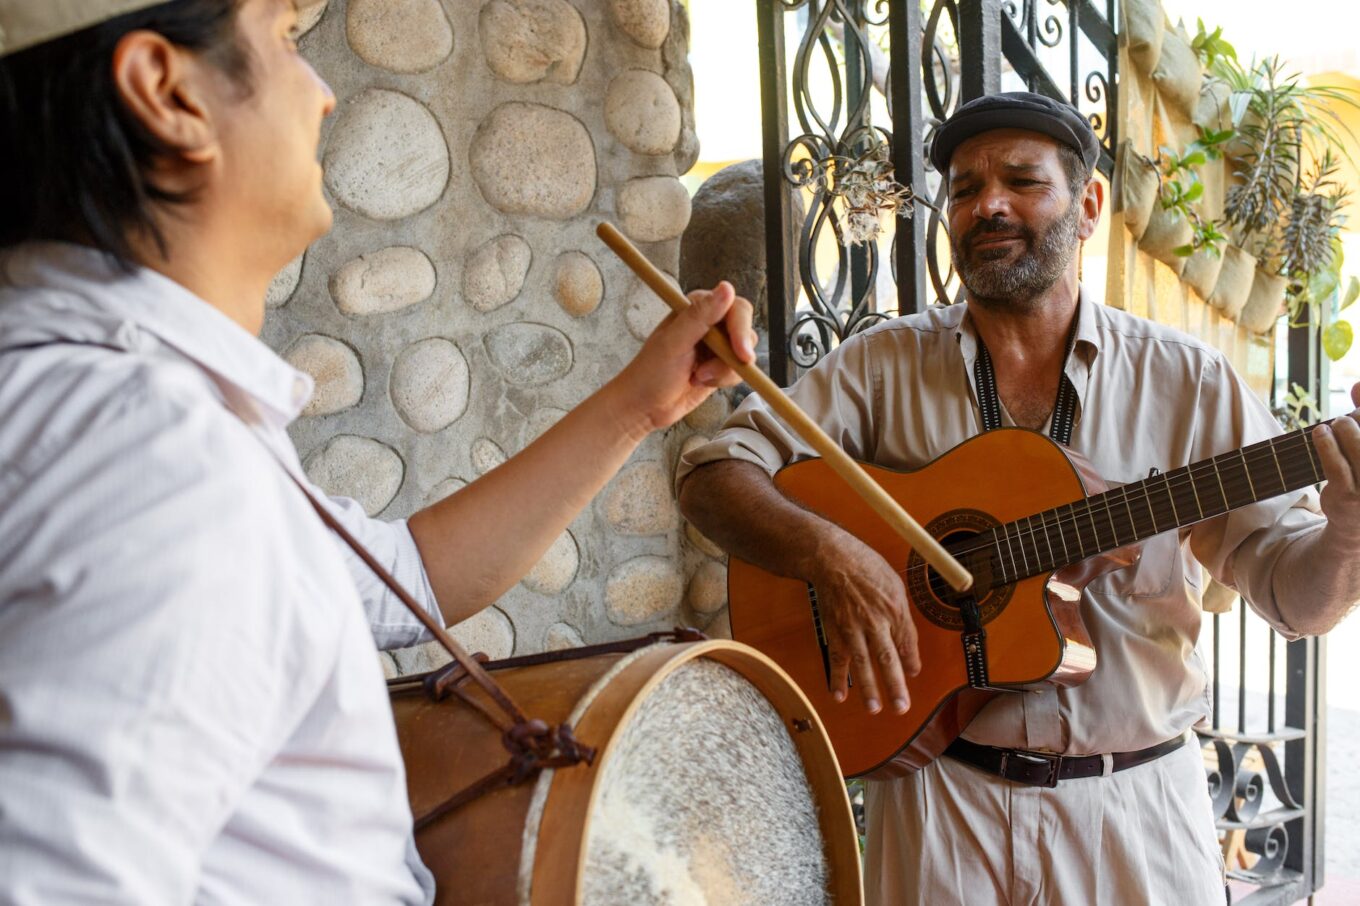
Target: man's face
{"points": [[1014, 223], [269, 134]]}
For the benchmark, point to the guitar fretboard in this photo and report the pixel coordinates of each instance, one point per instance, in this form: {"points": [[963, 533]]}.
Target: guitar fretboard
{"points": [[1073, 532]]}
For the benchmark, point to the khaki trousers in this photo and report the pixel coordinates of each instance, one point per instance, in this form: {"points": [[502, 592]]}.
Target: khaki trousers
{"points": [[954, 834]]}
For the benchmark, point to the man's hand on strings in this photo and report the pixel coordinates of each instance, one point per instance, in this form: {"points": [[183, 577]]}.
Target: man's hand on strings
{"points": [[869, 630]]}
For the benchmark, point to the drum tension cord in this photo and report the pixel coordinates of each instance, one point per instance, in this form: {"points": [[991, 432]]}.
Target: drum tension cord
{"points": [[533, 744]]}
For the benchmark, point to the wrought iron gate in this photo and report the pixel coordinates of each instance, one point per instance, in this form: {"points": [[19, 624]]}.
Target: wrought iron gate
{"points": [[886, 72]]}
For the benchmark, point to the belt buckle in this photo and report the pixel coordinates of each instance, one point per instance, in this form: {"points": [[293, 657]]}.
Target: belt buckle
{"points": [[1032, 759]]}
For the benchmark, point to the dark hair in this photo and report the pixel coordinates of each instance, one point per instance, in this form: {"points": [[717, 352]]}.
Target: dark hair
{"points": [[1078, 174], [74, 162]]}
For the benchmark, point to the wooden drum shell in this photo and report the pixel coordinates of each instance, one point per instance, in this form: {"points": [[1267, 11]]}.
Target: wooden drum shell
{"points": [[476, 853]]}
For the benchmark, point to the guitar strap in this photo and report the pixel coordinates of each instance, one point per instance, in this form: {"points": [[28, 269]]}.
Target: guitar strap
{"points": [[1060, 429], [989, 402]]}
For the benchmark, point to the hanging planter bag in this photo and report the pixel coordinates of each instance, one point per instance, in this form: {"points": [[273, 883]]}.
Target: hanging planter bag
{"points": [[1144, 28], [1236, 274], [1265, 302], [1178, 74], [1166, 231], [1213, 111], [1138, 184], [1201, 272]]}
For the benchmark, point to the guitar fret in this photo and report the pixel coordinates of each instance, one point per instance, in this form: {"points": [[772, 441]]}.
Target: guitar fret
{"points": [[1312, 459], [1109, 515], [1251, 485], [1198, 507], [1151, 515], [1057, 517], [1047, 540], [1020, 538], [1095, 530], [1284, 485], [1000, 563], [1175, 515], [1076, 530], [1133, 525], [1226, 506]]}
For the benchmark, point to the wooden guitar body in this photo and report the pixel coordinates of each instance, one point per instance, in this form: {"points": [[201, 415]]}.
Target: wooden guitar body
{"points": [[1034, 632]]}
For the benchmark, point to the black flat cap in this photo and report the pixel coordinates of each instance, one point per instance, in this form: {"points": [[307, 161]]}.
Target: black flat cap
{"points": [[1015, 110]]}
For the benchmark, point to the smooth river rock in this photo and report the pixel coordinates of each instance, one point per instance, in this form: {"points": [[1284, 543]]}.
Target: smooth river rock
{"points": [[528, 354], [639, 501], [430, 384], [284, 284], [556, 569], [532, 159], [707, 591], [577, 284], [642, 589], [641, 111], [533, 40], [647, 22], [384, 281], [334, 368], [357, 467], [387, 158], [399, 35], [495, 272], [653, 208]]}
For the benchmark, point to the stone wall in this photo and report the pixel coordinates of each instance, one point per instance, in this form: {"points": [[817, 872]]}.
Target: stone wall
{"points": [[462, 303]]}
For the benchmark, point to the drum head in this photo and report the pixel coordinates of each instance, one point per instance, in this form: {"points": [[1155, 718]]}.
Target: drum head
{"points": [[704, 800]]}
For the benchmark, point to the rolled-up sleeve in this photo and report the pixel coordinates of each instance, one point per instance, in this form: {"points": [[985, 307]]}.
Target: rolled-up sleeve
{"points": [[391, 543], [1243, 548], [840, 394]]}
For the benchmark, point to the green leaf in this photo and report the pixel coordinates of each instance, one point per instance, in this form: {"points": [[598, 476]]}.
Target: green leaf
{"points": [[1352, 293], [1322, 284], [1194, 192], [1337, 339], [1183, 251], [1194, 159]]}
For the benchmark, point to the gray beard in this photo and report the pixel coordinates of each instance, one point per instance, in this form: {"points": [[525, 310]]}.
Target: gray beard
{"points": [[996, 284]]}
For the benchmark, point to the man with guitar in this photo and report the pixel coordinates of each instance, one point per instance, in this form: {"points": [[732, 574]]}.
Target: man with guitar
{"points": [[1123, 815]]}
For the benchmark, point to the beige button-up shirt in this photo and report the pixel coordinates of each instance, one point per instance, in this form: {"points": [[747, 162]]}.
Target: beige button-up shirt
{"points": [[901, 394]]}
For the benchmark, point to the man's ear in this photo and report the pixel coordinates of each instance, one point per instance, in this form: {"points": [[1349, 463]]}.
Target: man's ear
{"points": [[154, 80], [1092, 201]]}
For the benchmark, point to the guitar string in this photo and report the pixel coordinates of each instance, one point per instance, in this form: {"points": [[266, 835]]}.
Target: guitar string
{"points": [[1086, 507], [1286, 451]]}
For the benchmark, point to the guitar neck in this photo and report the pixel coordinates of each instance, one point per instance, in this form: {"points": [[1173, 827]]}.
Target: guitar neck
{"points": [[1165, 501]]}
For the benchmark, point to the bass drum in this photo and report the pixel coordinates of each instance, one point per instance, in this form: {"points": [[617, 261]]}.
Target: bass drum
{"points": [[713, 783]]}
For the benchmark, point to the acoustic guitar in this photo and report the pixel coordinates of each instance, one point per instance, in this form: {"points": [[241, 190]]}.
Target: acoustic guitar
{"points": [[1034, 524]]}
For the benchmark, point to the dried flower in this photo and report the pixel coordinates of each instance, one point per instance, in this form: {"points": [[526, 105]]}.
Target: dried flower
{"points": [[867, 188]]}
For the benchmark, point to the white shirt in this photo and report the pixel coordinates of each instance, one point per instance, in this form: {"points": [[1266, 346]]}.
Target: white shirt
{"points": [[191, 708]]}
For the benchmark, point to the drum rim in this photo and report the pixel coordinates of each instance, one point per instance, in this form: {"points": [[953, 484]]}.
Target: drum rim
{"points": [[547, 866]]}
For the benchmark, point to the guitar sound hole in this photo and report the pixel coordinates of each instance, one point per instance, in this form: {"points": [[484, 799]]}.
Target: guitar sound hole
{"points": [[935, 598]]}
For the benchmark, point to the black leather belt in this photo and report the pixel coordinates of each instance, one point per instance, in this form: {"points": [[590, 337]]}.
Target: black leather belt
{"points": [[1046, 768]]}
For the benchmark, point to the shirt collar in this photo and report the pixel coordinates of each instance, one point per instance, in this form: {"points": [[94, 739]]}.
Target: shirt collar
{"points": [[63, 292], [1085, 344]]}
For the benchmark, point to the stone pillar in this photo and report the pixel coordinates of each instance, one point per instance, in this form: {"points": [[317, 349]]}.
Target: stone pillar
{"points": [[462, 302]]}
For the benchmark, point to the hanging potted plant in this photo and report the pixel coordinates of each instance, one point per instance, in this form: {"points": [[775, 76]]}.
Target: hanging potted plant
{"points": [[1283, 217], [1138, 188], [1176, 233]]}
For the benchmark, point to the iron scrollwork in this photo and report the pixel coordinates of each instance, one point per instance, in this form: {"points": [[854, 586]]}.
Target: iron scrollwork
{"points": [[836, 277]]}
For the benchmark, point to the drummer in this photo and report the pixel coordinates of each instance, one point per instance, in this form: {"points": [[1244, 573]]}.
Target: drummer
{"points": [[191, 709]]}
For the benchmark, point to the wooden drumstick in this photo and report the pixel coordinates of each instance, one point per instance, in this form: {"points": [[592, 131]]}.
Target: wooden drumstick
{"points": [[841, 462]]}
